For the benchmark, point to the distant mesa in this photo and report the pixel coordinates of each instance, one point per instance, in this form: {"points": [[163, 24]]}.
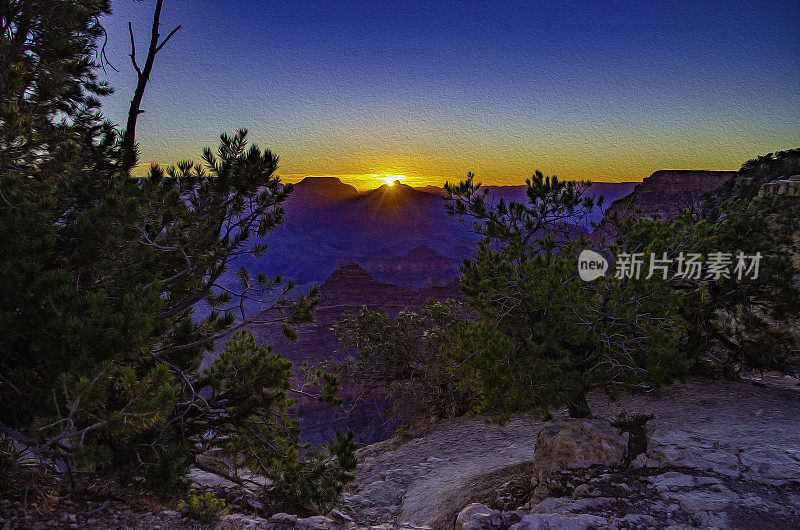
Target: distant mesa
{"points": [[322, 190], [423, 253], [397, 198], [433, 190], [392, 188], [348, 275], [348, 288], [419, 267], [666, 192]]}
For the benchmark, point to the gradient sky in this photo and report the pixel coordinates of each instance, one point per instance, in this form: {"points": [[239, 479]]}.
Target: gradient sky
{"points": [[431, 90]]}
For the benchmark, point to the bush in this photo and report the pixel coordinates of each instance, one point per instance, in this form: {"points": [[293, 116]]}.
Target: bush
{"points": [[313, 484], [734, 325], [404, 356], [13, 455], [204, 507]]}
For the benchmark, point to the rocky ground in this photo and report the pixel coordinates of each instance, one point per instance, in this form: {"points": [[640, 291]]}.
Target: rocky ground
{"points": [[716, 454], [422, 477], [35, 498]]}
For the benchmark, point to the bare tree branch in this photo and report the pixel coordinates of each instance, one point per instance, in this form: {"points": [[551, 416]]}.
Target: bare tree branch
{"points": [[129, 139], [133, 51]]}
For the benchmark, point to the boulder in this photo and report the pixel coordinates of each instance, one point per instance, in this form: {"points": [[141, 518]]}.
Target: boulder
{"points": [[641, 461], [575, 444], [477, 516], [205, 480]]}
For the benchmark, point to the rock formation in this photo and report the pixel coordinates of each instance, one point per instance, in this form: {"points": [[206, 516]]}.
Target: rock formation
{"points": [[666, 192], [420, 266], [575, 444], [783, 186], [712, 471], [321, 191], [715, 454]]}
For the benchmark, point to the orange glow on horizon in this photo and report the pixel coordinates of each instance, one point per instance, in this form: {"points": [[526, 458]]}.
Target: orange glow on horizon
{"points": [[370, 181], [365, 175]]}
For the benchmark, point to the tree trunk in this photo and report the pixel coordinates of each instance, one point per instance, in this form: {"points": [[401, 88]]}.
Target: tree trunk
{"points": [[578, 407]]}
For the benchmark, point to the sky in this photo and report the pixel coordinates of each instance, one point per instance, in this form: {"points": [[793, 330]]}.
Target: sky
{"points": [[427, 91]]}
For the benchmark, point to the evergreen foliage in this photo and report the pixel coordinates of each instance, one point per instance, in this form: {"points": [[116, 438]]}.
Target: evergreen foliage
{"points": [[546, 337], [102, 277], [405, 357], [736, 325], [748, 181], [204, 507]]}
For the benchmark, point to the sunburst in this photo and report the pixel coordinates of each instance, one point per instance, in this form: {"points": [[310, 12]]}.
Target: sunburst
{"points": [[391, 180]]}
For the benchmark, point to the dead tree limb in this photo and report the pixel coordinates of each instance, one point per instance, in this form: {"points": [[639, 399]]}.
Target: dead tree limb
{"points": [[143, 76]]}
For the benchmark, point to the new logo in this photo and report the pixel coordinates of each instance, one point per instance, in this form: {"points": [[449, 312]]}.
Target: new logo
{"points": [[591, 265]]}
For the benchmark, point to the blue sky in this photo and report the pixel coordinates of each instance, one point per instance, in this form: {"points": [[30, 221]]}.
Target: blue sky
{"points": [[431, 90]]}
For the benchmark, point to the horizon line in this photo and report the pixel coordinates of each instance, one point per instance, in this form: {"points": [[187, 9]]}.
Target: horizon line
{"points": [[371, 181]]}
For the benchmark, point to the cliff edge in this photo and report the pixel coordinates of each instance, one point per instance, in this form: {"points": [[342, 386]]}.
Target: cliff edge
{"points": [[666, 192]]}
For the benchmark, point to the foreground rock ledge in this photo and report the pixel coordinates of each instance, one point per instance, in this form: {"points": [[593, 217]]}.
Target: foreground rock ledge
{"points": [[717, 454], [586, 475]]}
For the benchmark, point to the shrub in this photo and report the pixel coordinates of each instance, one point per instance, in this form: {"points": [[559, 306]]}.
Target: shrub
{"points": [[204, 507], [13, 455], [404, 356], [735, 325]]}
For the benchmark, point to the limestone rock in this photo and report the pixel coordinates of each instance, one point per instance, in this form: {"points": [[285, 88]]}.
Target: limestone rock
{"points": [[204, 479], [673, 480], [555, 521], [769, 463], [285, 521], [477, 516], [641, 461], [773, 465], [573, 506], [782, 186], [576, 444], [727, 456]]}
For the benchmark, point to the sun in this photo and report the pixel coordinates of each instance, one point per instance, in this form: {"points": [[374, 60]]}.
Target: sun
{"points": [[391, 180]]}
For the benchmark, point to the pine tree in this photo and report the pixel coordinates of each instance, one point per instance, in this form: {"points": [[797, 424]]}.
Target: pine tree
{"points": [[102, 277], [736, 325], [404, 357], [547, 338]]}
